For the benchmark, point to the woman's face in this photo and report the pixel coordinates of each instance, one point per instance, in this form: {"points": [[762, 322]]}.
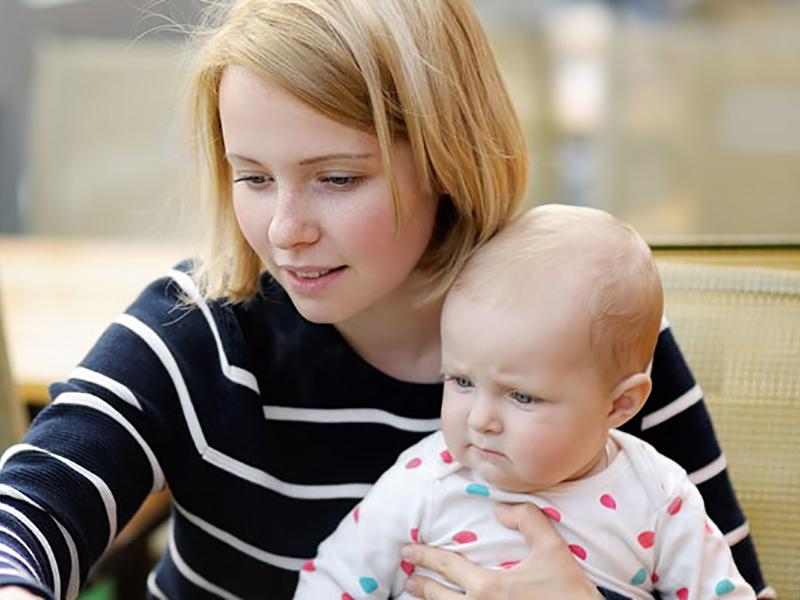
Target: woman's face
{"points": [[312, 199]]}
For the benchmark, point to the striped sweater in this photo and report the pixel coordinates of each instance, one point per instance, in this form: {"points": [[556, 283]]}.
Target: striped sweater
{"points": [[268, 430]]}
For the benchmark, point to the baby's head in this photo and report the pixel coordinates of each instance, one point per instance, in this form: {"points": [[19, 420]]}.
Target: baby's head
{"points": [[547, 335]]}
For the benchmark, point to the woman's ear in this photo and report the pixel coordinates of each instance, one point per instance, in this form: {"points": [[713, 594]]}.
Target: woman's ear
{"points": [[628, 397]]}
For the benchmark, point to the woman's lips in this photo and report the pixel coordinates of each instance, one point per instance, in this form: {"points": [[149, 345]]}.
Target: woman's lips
{"points": [[312, 279]]}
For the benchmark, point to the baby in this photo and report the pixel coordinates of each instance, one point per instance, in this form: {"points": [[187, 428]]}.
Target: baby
{"points": [[547, 338]]}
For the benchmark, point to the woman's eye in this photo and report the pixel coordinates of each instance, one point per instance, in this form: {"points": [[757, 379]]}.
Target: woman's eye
{"points": [[252, 181], [521, 398], [343, 182]]}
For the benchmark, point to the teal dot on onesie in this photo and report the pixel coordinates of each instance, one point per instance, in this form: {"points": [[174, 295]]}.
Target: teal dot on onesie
{"points": [[476, 489], [368, 584], [724, 587], [639, 578]]}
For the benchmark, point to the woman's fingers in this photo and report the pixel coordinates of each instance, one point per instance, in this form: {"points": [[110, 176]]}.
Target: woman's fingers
{"points": [[453, 567], [550, 571], [532, 523], [424, 587]]}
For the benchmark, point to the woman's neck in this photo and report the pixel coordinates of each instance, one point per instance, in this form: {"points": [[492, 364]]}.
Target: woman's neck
{"points": [[398, 337]]}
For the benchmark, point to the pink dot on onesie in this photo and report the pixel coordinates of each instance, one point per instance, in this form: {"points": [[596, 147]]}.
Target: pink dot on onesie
{"points": [[309, 567], [465, 537], [407, 567], [346, 596], [509, 564], [578, 551], [413, 463], [654, 578], [682, 593], [355, 513], [607, 501], [446, 456], [552, 513], [415, 534], [647, 539], [675, 506]]}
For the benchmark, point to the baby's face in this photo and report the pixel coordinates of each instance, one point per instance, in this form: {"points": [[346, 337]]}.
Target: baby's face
{"points": [[523, 403]]}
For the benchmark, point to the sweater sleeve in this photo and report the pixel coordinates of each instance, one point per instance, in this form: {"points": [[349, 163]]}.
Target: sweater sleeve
{"points": [[92, 456], [675, 420]]}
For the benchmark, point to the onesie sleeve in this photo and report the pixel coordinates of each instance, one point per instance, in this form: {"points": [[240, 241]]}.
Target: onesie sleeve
{"points": [[361, 558], [693, 559]]}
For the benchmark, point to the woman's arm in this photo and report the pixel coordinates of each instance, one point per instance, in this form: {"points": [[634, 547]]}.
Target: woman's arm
{"points": [[89, 459], [550, 571]]}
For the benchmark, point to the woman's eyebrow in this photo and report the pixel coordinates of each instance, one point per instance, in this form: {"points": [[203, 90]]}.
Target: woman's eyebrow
{"points": [[306, 161], [334, 156], [238, 157]]}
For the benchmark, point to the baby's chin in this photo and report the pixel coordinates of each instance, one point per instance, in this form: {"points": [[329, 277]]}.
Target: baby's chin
{"points": [[508, 482]]}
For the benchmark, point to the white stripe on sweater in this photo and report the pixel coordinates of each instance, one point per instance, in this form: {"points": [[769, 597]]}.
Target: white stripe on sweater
{"points": [[93, 402], [734, 536], [712, 469], [192, 575], [18, 558], [220, 459], [153, 588], [115, 387], [22, 543], [232, 372], [680, 404], [51, 558], [107, 498], [283, 562], [74, 583], [350, 415], [15, 573]]}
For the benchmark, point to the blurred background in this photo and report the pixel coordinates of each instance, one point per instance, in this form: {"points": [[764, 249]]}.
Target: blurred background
{"points": [[681, 116]]}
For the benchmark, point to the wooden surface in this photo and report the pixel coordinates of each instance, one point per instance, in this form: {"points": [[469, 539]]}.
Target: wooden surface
{"points": [[59, 294]]}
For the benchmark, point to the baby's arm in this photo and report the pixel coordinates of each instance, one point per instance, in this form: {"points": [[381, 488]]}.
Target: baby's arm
{"points": [[362, 557], [693, 559]]}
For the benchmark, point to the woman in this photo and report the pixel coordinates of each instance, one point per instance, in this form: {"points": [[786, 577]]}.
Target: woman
{"points": [[354, 153]]}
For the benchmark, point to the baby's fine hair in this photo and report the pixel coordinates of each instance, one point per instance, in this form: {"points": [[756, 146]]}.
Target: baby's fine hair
{"points": [[601, 257], [420, 70]]}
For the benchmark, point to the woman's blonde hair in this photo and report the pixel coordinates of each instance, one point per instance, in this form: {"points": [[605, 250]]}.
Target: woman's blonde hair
{"points": [[422, 70]]}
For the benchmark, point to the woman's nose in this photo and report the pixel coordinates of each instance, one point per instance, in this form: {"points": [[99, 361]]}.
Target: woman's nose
{"points": [[293, 223]]}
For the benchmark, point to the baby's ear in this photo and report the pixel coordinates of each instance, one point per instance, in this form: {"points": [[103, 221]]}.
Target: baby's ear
{"points": [[627, 398]]}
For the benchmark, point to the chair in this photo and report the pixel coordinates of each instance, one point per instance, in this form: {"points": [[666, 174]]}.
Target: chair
{"points": [[739, 327]]}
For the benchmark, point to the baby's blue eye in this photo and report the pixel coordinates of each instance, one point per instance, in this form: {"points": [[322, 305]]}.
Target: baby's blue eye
{"points": [[461, 382], [521, 398]]}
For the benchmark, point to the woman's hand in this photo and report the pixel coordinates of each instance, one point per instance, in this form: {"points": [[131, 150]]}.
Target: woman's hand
{"points": [[550, 571], [17, 593]]}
